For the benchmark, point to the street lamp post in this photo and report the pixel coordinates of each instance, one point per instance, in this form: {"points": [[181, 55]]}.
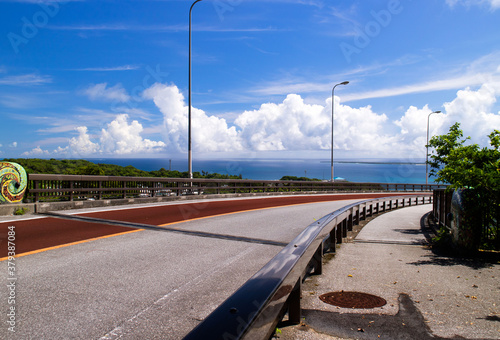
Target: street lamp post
{"points": [[333, 104], [427, 149], [190, 151]]}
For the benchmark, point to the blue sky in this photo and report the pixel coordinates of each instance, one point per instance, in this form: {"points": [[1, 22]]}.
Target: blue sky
{"points": [[95, 79]]}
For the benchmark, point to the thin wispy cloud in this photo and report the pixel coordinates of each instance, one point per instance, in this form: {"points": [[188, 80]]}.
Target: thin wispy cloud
{"points": [[25, 80], [160, 28], [102, 92], [493, 4], [438, 85], [108, 69]]}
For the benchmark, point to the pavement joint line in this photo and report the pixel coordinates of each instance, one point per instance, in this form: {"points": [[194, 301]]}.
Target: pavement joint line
{"points": [[167, 229]]}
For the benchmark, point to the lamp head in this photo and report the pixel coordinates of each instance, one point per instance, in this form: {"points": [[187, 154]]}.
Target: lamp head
{"points": [[344, 83]]}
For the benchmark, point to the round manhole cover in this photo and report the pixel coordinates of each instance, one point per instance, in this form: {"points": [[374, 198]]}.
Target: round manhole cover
{"points": [[353, 300]]}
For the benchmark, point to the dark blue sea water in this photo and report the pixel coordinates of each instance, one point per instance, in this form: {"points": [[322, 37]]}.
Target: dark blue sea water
{"points": [[373, 171]]}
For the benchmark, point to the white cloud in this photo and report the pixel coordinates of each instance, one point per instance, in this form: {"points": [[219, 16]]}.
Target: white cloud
{"points": [[293, 126], [109, 69], [118, 138], [25, 80], [290, 125], [81, 145], [474, 110], [437, 85], [112, 94], [123, 138], [36, 152], [13, 145], [474, 73], [494, 4], [209, 133]]}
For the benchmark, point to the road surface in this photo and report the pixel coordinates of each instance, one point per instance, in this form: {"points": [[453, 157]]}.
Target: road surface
{"points": [[144, 284]]}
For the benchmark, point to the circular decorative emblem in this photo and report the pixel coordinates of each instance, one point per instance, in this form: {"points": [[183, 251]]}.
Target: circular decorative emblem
{"points": [[13, 182]]}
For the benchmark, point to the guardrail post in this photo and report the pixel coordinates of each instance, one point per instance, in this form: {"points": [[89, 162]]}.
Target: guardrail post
{"points": [[294, 309], [349, 221], [333, 240], [338, 233], [344, 227], [318, 260], [71, 186], [124, 188], [37, 194]]}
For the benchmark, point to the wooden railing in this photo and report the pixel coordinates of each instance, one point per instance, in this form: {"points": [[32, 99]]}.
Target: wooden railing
{"points": [[50, 188]]}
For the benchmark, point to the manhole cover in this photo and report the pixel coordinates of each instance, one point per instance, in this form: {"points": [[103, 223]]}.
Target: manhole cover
{"points": [[353, 300]]}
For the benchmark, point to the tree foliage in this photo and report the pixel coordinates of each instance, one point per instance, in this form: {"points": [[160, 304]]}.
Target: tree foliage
{"points": [[84, 167], [465, 166], [477, 170]]}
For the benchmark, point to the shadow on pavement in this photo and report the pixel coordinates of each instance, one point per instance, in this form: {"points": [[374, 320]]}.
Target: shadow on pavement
{"points": [[444, 256], [407, 324]]}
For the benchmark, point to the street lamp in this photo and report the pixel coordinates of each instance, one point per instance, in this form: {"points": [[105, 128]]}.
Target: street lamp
{"points": [[190, 152], [427, 149], [333, 104]]}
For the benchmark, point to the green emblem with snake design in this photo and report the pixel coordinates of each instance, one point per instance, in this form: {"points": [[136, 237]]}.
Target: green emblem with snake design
{"points": [[13, 182]]}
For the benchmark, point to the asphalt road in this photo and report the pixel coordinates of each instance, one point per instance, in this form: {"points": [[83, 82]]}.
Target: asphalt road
{"points": [[146, 284]]}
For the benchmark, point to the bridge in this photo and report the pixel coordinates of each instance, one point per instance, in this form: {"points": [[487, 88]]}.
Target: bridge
{"points": [[186, 261]]}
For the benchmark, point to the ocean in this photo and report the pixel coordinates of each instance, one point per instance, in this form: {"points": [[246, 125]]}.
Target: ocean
{"points": [[370, 171]]}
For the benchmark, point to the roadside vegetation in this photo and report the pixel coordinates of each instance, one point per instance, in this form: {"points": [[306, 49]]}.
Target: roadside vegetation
{"points": [[475, 173], [84, 167]]}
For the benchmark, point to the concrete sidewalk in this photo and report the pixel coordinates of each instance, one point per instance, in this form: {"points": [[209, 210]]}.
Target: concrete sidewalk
{"points": [[429, 296]]}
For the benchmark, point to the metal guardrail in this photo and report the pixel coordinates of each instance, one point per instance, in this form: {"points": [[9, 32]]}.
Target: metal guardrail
{"points": [[255, 309], [47, 188], [442, 207]]}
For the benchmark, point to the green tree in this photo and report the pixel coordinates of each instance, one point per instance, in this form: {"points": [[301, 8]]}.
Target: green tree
{"points": [[465, 166], [477, 170], [91, 169]]}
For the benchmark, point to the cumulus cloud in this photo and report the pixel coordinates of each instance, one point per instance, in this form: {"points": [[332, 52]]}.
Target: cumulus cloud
{"points": [[110, 94], [292, 125], [118, 138], [289, 125], [123, 138], [209, 133], [81, 145], [36, 152], [474, 110]]}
